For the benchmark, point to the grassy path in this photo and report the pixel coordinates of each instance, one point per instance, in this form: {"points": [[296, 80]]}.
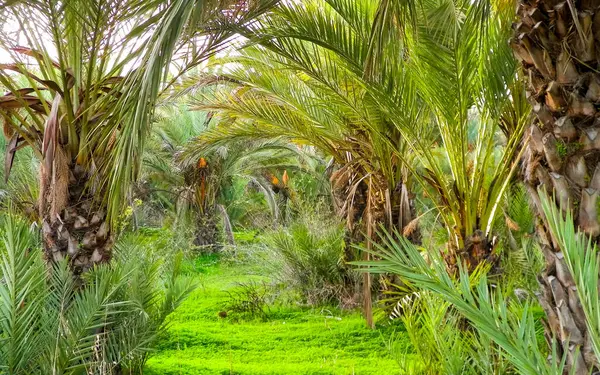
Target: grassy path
{"points": [[291, 341]]}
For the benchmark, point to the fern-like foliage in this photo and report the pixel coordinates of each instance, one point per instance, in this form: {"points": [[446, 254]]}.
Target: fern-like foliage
{"points": [[50, 324], [583, 261], [496, 317], [519, 210], [309, 256]]}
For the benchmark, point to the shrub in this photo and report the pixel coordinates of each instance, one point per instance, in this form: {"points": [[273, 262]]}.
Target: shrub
{"points": [[251, 298], [51, 325], [438, 335], [309, 256], [481, 328]]}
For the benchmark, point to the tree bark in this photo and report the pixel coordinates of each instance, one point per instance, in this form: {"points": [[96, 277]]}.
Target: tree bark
{"points": [[73, 226], [478, 249], [207, 231], [367, 204], [558, 45]]}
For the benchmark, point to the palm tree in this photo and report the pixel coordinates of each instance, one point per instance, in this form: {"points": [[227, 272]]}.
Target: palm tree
{"points": [[275, 103], [93, 71], [375, 85], [557, 44], [202, 177], [206, 182], [51, 325], [313, 93], [475, 106], [378, 106]]}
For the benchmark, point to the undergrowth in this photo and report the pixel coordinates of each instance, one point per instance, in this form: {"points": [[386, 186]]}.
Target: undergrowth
{"points": [[206, 337]]}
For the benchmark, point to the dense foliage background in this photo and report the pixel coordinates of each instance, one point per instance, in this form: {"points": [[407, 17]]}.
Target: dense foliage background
{"points": [[300, 187]]}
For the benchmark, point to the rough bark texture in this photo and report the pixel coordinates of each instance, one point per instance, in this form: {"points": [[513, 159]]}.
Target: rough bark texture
{"points": [[366, 204], [354, 198], [72, 227], [558, 44], [207, 232], [477, 250]]}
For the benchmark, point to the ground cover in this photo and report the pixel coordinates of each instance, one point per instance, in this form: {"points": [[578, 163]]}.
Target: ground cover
{"points": [[289, 340]]}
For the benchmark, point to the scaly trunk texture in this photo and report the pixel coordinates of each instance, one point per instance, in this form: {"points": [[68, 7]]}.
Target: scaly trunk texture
{"points": [[477, 250], [558, 44], [72, 226], [207, 232], [394, 209], [366, 204]]}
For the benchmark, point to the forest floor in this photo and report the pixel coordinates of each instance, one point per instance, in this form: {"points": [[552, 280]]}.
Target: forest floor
{"points": [[285, 340]]}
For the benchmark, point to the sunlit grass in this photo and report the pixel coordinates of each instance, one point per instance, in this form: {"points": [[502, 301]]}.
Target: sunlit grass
{"points": [[293, 340]]}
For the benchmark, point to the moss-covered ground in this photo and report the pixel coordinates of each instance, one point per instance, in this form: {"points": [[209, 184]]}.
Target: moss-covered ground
{"points": [[291, 340]]}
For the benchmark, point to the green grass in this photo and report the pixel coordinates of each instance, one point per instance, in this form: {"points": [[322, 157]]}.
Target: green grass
{"points": [[293, 340]]}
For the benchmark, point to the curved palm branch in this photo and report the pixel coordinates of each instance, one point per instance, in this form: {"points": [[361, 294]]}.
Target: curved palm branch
{"points": [[201, 177], [311, 79], [313, 92], [86, 94]]}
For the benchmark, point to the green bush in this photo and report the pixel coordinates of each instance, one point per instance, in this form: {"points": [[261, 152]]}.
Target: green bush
{"points": [[251, 298], [464, 325], [308, 256], [49, 324]]}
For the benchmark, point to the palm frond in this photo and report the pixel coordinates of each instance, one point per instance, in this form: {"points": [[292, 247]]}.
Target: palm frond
{"points": [[507, 323], [581, 255]]}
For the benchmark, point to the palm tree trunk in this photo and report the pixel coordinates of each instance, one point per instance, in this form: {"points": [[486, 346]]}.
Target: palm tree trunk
{"points": [[73, 226], [207, 231], [478, 249], [558, 44], [404, 213], [366, 204]]}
